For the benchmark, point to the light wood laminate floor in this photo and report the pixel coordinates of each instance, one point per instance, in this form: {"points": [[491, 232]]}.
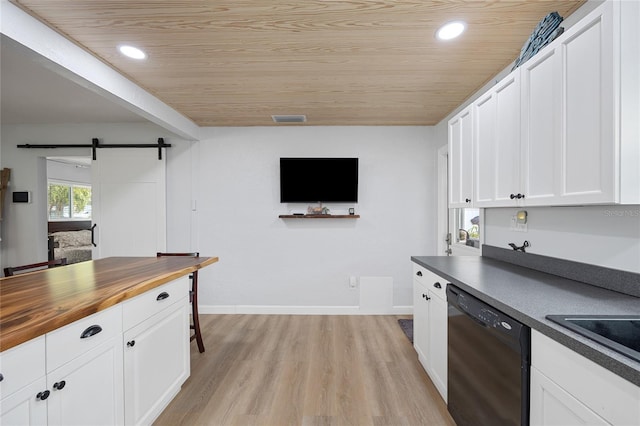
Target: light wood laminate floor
{"points": [[305, 370]]}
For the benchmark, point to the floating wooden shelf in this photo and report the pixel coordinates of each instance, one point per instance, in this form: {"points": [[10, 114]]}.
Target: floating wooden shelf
{"points": [[319, 216]]}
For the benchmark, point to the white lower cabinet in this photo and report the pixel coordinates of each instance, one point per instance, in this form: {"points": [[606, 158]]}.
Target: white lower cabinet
{"points": [[430, 325], [569, 389], [85, 373], [23, 407], [156, 363], [552, 405], [88, 390]]}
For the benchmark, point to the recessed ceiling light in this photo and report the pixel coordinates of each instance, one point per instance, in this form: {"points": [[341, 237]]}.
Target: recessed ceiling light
{"points": [[131, 52], [451, 30]]}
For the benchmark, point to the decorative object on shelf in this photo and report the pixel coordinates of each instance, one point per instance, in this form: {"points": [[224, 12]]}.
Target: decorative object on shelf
{"points": [[317, 210], [319, 216], [545, 32]]}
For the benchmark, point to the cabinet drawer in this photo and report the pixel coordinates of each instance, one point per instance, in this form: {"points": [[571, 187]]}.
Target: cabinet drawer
{"points": [[138, 309], [434, 283], [21, 365], [71, 341]]}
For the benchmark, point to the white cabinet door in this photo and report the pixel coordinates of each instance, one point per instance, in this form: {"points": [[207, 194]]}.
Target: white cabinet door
{"points": [[129, 203], [553, 406], [430, 325], [89, 390], [156, 362], [588, 135], [23, 407], [461, 159], [438, 343], [541, 118], [484, 179], [420, 322], [497, 145], [507, 153]]}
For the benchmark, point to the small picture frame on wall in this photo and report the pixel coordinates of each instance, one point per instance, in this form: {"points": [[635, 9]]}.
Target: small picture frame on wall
{"points": [[351, 211]]}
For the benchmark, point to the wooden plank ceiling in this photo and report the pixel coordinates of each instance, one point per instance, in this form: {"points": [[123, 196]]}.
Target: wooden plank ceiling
{"points": [[340, 62]]}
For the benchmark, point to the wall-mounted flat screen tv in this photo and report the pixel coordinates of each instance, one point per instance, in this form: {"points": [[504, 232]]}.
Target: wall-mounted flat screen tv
{"points": [[312, 180]]}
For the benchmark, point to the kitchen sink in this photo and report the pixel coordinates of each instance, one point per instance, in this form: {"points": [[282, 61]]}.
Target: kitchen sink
{"points": [[618, 332]]}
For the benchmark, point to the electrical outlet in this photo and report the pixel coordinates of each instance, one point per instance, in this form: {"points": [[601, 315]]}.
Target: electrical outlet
{"points": [[516, 226], [353, 282]]}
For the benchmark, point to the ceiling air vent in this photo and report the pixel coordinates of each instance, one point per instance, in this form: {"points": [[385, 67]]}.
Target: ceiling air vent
{"points": [[289, 118]]}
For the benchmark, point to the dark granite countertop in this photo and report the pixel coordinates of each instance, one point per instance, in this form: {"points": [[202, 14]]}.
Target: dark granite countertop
{"points": [[529, 295]]}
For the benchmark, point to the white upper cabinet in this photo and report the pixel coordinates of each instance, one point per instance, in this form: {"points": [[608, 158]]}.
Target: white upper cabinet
{"points": [[564, 128], [461, 159], [541, 118], [497, 144], [587, 84]]}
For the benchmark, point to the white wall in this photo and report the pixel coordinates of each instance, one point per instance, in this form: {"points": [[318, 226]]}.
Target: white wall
{"points": [[269, 264], [599, 235], [24, 227]]}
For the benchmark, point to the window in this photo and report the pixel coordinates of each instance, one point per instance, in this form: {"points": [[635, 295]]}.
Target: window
{"points": [[69, 201], [467, 225]]}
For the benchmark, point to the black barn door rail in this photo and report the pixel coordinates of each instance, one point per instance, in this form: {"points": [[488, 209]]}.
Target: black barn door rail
{"points": [[95, 144]]}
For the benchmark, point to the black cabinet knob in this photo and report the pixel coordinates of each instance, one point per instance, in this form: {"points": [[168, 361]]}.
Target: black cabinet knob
{"points": [[419, 273], [43, 395], [1, 377], [520, 195], [59, 385], [437, 285], [131, 343], [467, 200], [512, 196]]}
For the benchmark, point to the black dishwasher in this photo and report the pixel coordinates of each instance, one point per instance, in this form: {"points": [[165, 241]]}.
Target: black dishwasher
{"points": [[489, 358]]}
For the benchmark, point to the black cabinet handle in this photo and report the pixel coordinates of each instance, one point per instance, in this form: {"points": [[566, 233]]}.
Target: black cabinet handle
{"points": [[467, 200], [93, 241], [131, 343], [43, 395], [1, 377], [162, 296], [426, 297], [91, 331], [437, 285], [512, 196], [518, 196], [59, 385], [419, 273]]}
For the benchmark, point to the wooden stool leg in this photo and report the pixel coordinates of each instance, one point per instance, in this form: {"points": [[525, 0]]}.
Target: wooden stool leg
{"points": [[194, 312]]}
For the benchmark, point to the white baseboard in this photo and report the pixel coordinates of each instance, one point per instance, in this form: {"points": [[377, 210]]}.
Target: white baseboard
{"points": [[299, 310]]}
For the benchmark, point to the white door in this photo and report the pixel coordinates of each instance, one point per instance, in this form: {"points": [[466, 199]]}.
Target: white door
{"points": [[129, 202]]}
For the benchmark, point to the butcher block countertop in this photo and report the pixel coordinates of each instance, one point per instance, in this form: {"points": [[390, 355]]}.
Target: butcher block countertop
{"points": [[36, 303]]}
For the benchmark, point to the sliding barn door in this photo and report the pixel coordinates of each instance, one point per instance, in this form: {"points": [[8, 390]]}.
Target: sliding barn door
{"points": [[129, 202]]}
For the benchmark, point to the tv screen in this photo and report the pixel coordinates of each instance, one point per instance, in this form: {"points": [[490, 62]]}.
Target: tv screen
{"points": [[312, 180]]}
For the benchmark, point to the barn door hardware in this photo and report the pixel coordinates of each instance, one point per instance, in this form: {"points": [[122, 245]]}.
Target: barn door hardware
{"points": [[95, 144]]}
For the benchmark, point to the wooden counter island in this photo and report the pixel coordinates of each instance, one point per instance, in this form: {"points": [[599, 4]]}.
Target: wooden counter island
{"points": [[108, 338]]}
